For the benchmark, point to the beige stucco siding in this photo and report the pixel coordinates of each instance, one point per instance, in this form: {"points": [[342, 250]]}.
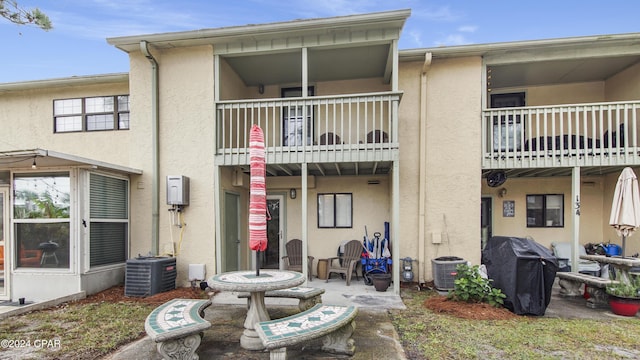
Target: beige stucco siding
{"points": [[592, 205], [140, 76], [625, 85], [185, 139], [409, 127], [453, 158], [30, 114], [370, 209], [565, 94], [231, 85]]}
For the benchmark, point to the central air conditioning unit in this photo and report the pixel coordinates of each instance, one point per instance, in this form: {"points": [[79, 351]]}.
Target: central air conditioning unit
{"points": [[444, 271], [146, 276]]}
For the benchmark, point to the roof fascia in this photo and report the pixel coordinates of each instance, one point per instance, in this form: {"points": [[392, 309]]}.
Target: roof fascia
{"points": [[622, 43], [64, 82], [227, 34], [74, 160]]}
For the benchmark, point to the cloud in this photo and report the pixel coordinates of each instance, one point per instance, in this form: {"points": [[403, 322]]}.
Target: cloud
{"points": [[416, 38], [452, 39], [436, 14], [468, 28], [102, 18], [433, 22]]}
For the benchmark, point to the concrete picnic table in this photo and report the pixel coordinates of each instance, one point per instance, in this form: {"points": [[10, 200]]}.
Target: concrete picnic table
{"points": [[622, 265], [247, 281]]}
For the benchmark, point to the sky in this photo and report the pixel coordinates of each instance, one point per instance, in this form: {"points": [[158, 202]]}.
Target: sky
{"points": [[77, 46]]}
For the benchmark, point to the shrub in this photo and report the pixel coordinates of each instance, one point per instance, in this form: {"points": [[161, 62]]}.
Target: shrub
{"points": [[623, 290], [470, 286]]}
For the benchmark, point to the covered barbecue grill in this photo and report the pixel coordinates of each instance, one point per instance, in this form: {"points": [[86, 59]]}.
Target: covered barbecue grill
{"points": [[524, 270]]}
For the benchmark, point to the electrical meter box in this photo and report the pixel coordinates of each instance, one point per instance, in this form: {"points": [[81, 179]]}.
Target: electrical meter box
{"points": [[177, 190]]}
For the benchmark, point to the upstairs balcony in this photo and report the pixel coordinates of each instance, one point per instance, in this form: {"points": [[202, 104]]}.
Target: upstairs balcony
{"points": [[526, 140], [337, 135]]}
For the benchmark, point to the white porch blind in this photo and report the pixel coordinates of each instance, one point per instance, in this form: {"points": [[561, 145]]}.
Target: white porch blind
{"points": [[109, 219]]}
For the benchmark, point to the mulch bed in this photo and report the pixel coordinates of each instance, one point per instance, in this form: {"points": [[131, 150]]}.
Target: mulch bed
{"points": [[472, 311], [116, 294]]}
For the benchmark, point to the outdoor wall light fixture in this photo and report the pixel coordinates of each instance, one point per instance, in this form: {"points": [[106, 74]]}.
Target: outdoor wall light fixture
{"points": [[503, 192], [34, 166], [292, 193], [261, 88]]}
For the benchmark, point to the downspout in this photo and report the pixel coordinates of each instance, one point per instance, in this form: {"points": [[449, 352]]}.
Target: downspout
{"points": [[155, 190], [423, 170]]}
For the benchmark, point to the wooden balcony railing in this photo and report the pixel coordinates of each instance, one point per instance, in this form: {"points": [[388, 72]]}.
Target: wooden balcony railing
{"points": [[594, 134], [355, 127]]}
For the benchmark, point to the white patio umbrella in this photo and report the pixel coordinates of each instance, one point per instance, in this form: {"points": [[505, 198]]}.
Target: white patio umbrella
{"points": [[625, 209]]}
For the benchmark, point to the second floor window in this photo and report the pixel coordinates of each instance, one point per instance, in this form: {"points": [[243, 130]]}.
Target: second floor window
{"points": [[91, 114]]}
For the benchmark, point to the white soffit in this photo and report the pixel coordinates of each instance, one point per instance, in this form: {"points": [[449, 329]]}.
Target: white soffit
{"points": [[49, 158]]}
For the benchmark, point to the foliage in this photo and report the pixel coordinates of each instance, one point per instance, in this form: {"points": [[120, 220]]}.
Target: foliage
{"points": [[10, 10], [470, 286], [45, 206], [623, 290]]}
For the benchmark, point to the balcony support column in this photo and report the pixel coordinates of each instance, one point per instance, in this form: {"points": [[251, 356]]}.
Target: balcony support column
{"points": [[217, 206], [575, 217], [395, 226], [305, 237]]}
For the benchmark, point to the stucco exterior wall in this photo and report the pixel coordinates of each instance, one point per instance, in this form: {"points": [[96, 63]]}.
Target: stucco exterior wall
{"points": [[410, 125], [30, 114], [370, 208], [231, 85], [625, 85], [140, 75], [351, 86], [565, 94], [591, 208], [186, 132], [453, 160]]}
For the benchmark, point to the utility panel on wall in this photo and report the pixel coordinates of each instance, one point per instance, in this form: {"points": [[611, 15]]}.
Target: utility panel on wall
{"points": [[177, 190]]}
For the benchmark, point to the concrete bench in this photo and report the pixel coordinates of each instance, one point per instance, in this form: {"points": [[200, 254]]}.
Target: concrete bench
{"points": [[334, 324], [570, 283], [177, 327], [308, 296]]}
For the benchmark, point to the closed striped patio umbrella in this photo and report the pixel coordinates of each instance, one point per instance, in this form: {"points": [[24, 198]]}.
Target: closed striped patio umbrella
{"points": [[258, 195]]}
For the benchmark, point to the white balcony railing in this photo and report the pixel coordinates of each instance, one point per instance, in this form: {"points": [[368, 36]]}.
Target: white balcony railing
{"points": [[358, 127], [594, 134]]}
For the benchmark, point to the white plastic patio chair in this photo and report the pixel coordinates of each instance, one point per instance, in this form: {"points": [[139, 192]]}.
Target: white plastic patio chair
{"points": [[562, 251]]}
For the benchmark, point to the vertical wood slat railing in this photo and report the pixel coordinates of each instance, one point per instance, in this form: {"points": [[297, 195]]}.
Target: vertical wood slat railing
{"points": [[354, 127], [593, 134]]}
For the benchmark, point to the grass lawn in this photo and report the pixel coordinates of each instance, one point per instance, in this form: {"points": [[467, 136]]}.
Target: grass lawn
{"points": [[427, 335]]}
